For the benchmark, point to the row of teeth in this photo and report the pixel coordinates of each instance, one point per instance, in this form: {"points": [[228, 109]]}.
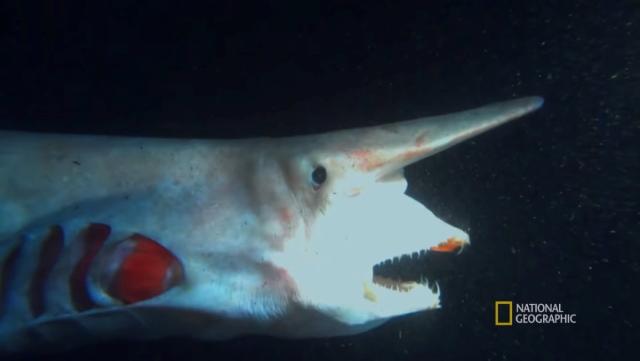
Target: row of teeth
{"points": [[401, 286], [393, 284], [406, 257]]}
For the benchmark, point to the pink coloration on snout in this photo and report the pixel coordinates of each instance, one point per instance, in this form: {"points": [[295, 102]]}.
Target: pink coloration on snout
{"points": [[411, 155], [421, 139], [366, 160]]}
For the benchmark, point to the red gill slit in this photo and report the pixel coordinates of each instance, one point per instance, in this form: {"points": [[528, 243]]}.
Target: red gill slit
{"points": [[8, 272], [49, 254], [94, 237]]}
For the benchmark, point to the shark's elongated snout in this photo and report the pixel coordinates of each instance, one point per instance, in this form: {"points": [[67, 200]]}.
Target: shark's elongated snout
{"points": [[383, 149]]}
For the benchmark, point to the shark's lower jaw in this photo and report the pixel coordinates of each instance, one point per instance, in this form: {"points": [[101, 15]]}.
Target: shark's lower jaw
{"points": [[426, 267], [404, 273]]}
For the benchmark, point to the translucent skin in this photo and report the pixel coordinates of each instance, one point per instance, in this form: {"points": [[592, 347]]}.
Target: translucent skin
{"points": [[264, 247]]}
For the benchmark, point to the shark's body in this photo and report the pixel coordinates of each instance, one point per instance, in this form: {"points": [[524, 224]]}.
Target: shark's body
{"points": [[108, 237]]}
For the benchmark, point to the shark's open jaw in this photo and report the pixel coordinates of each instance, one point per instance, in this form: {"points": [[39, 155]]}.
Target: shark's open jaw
{"points": [[404, 272], [426, 267]]}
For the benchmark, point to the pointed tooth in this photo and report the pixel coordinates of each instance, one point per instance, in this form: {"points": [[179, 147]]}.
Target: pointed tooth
{"points": [[432, 286]]}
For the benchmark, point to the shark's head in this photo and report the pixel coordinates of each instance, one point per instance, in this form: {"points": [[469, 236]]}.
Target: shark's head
{"points": [[348, 191]]}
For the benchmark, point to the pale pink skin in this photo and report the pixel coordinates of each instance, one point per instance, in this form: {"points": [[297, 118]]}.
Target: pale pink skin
{"points": [[264, 250]]}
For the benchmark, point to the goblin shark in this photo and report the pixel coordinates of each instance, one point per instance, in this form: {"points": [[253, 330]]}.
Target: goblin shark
{"points": [[114, 237]]}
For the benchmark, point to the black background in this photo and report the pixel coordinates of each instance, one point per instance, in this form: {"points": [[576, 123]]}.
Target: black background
{"points": [[550, 201]]}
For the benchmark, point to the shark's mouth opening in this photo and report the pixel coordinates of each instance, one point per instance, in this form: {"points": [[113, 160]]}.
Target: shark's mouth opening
{"points": [[426, 267]]}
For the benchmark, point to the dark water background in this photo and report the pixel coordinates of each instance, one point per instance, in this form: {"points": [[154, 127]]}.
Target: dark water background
{"points": [[551, 201]]}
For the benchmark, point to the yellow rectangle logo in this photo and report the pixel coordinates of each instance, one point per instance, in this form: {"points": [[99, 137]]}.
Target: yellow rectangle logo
{"points": [[509, 322]]}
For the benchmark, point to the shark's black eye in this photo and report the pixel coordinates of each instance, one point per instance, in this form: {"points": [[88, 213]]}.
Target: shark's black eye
{"points": [[319, 176]]}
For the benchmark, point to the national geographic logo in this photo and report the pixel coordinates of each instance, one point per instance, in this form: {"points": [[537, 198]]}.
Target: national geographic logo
{"points": [[531, 313]]}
